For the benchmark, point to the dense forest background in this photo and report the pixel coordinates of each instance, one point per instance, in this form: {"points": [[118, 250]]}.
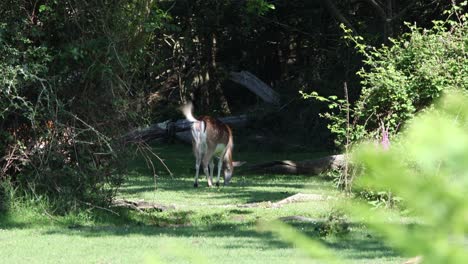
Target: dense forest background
{"points": [[77, 75]]}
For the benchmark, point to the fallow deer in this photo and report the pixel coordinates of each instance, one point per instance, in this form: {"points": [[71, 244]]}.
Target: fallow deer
{"points": [[210, 137]]}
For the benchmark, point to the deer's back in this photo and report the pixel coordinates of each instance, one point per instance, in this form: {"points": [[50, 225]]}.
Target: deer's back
{"points": [[216, 131]]}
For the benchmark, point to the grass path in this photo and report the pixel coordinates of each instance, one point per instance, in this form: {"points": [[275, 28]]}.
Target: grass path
{"points": [[207, 224]]}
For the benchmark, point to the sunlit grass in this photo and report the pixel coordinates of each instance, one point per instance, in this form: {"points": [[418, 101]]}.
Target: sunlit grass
{"points": [[207, 221]]}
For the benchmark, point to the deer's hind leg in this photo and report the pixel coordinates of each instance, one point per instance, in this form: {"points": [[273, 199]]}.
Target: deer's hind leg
{"points": [[211, 170], [198, 150], [197, 169], [207, 160]]}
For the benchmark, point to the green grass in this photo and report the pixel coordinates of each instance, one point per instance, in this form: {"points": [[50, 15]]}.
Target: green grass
{"points": [[207, 223]]}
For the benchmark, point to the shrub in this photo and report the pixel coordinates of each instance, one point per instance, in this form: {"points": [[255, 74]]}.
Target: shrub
{"points": [[400, 80], [428, 170], [64, 100]]}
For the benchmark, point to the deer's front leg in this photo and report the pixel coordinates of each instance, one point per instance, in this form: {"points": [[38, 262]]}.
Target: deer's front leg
{"points": [[207, 173], [211, 170], [220, 164]]}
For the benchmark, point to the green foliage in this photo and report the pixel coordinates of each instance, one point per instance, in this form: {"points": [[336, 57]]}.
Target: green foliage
{"points": [[378, 199], [402, 79], [70, 87], [338, 118], [428, 170], [259, 7], [335, 224], [7, 194], [313, 249], [20, 68]]}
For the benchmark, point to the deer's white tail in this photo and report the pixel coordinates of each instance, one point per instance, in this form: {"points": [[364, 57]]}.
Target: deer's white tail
{"points": [[187, 111]]}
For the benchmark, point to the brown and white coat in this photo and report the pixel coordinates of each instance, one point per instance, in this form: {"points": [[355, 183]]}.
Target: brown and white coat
{"points": [[210, 138]]}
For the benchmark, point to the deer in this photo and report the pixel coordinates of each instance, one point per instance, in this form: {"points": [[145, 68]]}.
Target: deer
{"points": [[210, 138]]}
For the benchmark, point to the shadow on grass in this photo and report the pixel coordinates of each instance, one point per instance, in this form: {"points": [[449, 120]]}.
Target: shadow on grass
{"points": [[357, 246], [237, 231], [7, 222], [247, 191], [256, 188], [362, 248], [245, 188]]}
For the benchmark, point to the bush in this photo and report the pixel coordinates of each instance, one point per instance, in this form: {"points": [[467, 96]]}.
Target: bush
{"points": [[400, 80], [428, 170], [66, 96]]}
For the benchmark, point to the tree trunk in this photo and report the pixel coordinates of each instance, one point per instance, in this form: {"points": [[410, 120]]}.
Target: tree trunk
{"points": [[330, 6], [256, 86]]}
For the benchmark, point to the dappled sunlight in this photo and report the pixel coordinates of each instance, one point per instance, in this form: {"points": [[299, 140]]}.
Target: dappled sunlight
{"points": [[178, 190], [221, 219]]}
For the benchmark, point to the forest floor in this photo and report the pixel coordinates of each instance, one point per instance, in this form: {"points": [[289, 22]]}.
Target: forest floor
{"points": [[205, 225]]}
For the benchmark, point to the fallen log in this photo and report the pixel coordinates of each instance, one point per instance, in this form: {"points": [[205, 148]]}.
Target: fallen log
{"points": [[146, 134], [256, 86], [302, 197], [309, 167], [296, 198], [141, 205], [267, 204], [178, 129], [184, 136], [300, 218]]}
